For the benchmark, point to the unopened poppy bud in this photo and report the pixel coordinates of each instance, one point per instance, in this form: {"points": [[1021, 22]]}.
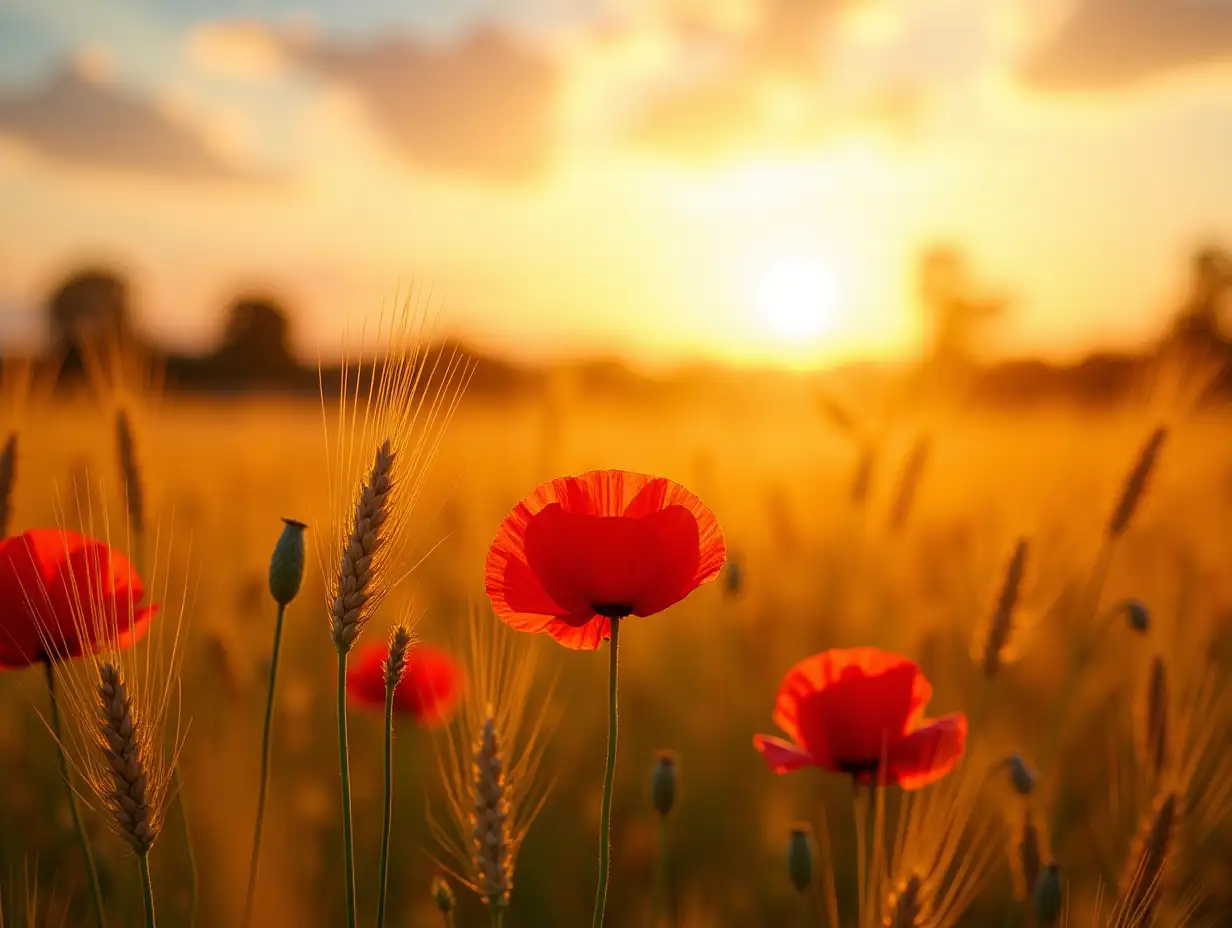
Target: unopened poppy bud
{"points": [[1138, 616], [663, 784], [733, 578], [800, 858], [1021, 775], [286, 571], [1049, 897], [442, 895]]}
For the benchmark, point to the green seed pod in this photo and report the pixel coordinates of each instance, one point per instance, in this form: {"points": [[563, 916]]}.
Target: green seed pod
{"points": [[1137, 615], [442, 895], [800, 858], [663, 784], [1049, 897], [1021, 776], [286, 571]]}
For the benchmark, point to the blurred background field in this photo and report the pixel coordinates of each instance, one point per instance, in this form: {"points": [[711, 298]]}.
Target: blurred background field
{"points": [[816, 570]]}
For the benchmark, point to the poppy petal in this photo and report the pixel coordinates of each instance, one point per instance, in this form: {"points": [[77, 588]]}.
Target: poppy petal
{"points": [[430, 687], [365, 680], [928, 753], [782, 756], [850, 704]]}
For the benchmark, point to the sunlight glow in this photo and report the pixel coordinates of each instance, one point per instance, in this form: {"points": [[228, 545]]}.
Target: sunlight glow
{"points": [[798, 298]]}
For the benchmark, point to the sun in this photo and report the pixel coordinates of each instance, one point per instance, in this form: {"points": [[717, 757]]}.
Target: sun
{"points": [[797, 298]]}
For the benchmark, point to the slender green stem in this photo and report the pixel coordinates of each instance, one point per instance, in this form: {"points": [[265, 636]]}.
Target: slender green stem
{"points": [[498, 916], [96, 895], [449, 922], [344, 769], [661, 901], [387, 822], [147, 889], [814, 907], [605, 822], [178, 786], [255, 863]]}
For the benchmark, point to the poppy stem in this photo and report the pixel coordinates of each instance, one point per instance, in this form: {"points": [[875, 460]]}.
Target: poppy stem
{"points": [[254, 863], [344, 769], [662, 899], [605, 822], [498, 916], [387, 821], [147, 889], [96, 895]]}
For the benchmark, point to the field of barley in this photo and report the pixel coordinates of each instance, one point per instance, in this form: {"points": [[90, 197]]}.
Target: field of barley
{"points": [[823, 552]]}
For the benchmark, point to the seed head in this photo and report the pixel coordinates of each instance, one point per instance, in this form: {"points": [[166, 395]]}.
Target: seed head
{"points": [[286, 570], [1136, 482], [1001, 624], [442, 895], [1021, 775], [1154, 713], [663, 784], [8, 479], [800, 857], [1137, 615], [1049, 896], [395, 664], [905, 905]]}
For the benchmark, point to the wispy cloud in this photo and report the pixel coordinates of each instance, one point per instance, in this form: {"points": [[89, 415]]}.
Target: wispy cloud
{"points": [[80, 117]]}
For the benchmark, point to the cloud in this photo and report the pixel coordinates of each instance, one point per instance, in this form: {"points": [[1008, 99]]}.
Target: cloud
{"points": [[1110, 44], [80, 118], [242, 48], [764, 88], [482, 106]]}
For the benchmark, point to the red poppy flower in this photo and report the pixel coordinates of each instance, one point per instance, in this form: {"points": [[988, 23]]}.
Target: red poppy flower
{"points": [[580, 551], [63, 595], [860, 712], [430, 687]]}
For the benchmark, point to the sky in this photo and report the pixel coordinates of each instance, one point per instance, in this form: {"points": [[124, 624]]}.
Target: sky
{"points": [[746, 181]]}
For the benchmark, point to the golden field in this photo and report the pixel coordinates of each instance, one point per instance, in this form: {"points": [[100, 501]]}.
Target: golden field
{"points": [[816, 570]]}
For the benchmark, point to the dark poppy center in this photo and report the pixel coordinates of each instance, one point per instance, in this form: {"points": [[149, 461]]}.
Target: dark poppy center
{"points": [[613, 610], [859, 768]]}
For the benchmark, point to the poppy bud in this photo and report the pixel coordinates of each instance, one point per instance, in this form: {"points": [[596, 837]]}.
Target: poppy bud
{"points": [[663, 784], [286, 571], [1021, 775], [1049, 899], [442, 895], [800, 857], [733, 578], [1138, 616]]}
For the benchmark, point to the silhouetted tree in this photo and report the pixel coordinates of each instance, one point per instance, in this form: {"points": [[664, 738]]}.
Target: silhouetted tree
{"points": [[1197, 324], [255, 343], [954, 311], [89, 303]]}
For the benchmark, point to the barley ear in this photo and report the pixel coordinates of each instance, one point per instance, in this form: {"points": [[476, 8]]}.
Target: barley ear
{"points": [[1136, 482]]}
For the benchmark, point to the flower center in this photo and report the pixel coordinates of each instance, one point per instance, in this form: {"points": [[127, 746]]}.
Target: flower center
{"points": [[613, 610], [859, 768]]}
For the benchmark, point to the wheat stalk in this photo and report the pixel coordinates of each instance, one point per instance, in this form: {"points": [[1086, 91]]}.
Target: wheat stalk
{"points": [[1001, 623], [1142, 883], [1027, 857], [909, 482], [130, 471], [358, 571], [1154, 714], [1136, 482], [489, 763], [8, 481], [906, 907]]}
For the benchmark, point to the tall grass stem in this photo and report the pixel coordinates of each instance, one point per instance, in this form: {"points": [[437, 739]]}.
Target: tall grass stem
{"points": [[96, 895], [388, 813], [147, 889]]}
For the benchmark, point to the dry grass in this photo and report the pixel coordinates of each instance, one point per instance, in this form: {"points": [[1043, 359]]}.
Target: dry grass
{"points": [[697, 680]]}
